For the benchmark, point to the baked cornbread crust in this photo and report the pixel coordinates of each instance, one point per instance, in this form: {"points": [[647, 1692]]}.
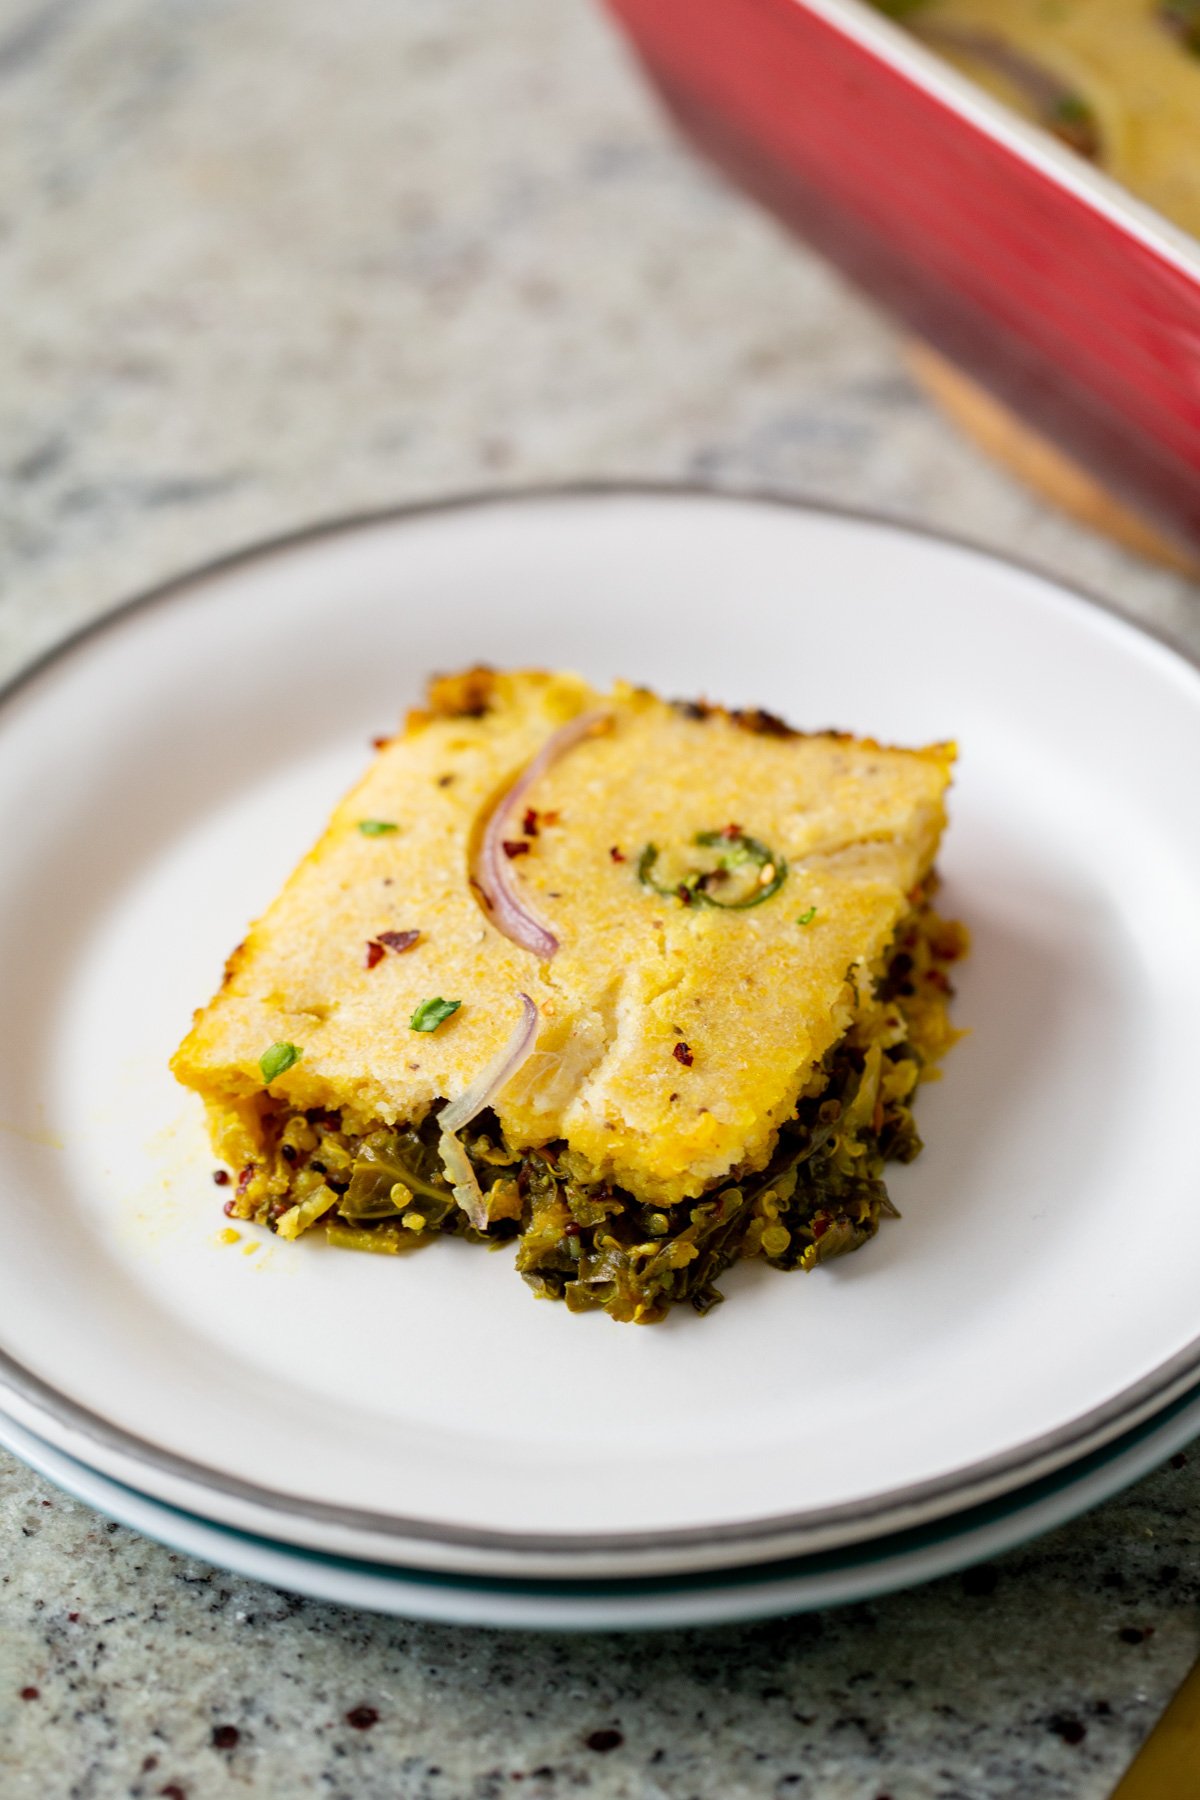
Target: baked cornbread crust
{"points": [[682, 1038]]}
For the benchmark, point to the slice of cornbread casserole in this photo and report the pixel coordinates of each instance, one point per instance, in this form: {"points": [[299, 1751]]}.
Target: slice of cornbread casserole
{"points": [[646, 985]]}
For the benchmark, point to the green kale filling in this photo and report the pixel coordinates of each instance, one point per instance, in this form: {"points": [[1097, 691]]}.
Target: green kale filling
{"points": [[821, 1195], [595, 1245]]}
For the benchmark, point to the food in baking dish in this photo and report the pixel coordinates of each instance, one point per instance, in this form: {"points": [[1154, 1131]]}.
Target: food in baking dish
{"points": [[647, 986], [1118, 80]]}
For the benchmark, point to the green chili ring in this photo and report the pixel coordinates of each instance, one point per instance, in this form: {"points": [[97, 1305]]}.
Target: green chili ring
{"points": [[751, 851]]}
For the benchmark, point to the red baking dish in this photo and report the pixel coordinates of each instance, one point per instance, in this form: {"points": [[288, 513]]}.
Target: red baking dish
{"points": [[1032, 270]]}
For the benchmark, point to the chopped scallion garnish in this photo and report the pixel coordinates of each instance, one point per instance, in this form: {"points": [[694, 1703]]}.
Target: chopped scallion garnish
{"points": [[278, 1060], [432, 1013]]}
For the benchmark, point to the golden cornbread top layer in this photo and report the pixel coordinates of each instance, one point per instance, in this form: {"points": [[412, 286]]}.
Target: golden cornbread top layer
{"points": [[754, 996]]}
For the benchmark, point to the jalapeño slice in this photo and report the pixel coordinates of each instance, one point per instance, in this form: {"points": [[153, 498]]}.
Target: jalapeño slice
{"points": [[748, 870]]}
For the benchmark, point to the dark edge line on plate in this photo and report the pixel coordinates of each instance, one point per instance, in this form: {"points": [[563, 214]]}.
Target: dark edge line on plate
{"points": [[739, 1577]]}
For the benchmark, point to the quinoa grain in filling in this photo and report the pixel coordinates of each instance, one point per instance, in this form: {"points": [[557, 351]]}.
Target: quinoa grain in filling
{"points": [[593, 1244]]}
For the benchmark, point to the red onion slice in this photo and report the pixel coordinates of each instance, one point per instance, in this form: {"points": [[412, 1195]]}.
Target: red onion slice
{"points": [[482, 1091], [498, 1073], [509, 913], [463, 1180]]}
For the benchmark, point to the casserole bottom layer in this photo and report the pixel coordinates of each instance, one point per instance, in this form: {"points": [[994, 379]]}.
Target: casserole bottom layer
{"points": [[381, 1187]]}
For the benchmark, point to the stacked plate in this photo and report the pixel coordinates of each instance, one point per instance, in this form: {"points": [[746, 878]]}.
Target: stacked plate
{"points": [[418, 1434]]}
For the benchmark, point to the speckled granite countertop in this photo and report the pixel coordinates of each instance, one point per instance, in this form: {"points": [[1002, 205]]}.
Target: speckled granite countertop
{"points": [[269, 263]]}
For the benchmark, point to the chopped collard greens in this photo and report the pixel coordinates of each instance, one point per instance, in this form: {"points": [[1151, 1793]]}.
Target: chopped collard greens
{"points": [[594, 1245]]}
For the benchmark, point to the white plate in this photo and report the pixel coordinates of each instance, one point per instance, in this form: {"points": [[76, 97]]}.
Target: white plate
{"points": [[158, 779], [831, 1578]]}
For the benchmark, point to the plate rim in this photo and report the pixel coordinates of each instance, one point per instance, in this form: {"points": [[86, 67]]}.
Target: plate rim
{"points": [[931, 1498], [888, 1564]]}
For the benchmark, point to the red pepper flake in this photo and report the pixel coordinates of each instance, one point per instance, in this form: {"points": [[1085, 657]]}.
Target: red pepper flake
{"points": [[820, 1225], [221, 1177], [225, 1737], [244, 1179], [732, 831], [682, 1054], [399, 941], [362, 1717], [550, 818], [375, 954], [685, 893], [445, 780], [618, 855], [515, 847], [529, 824], [31, 1693], [380, 743]]}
